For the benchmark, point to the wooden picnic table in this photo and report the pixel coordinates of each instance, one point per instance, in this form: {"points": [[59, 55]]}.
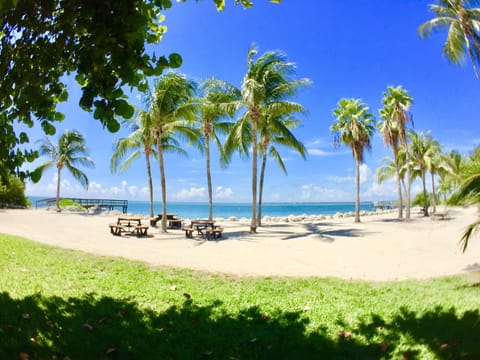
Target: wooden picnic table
{"points": [[203, 227], [132, 224]]}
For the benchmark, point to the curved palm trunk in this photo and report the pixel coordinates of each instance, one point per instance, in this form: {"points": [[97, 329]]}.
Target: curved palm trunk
{"points": [[209, 177], [59, 171], [253, 224], [163, 183], [150, 183], [434, 205], [357, 191], [399, 186], [260, 195]]}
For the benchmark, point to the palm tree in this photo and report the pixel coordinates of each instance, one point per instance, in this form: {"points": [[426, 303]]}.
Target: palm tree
{"points": [[389, 130], [69, 152], [140, 140], [220, 100], [463, 26], [450, 175], [398, 101], [172, 112], [423, 150], [469, 192], [265, 89], [276, 130], [354, 127], [389, 170]]}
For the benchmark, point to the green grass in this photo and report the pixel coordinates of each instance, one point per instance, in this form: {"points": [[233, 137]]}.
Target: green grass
{"points": [[57, 304]]}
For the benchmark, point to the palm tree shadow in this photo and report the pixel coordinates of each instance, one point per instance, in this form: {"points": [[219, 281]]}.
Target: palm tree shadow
{"points": [[326, 235]]}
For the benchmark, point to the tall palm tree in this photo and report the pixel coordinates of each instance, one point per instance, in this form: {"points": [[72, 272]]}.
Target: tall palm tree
{"points": [[140, 140], [437, 163], [69, 152], [463, 24], [266, 87], [220, 100], [398, 101], [354, 127], [276, 130], [389, 170], [172, 113], [390, 132], [423, 150]]}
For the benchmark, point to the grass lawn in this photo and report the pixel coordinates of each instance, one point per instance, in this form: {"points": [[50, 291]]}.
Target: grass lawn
{"points": [[59, 304]]}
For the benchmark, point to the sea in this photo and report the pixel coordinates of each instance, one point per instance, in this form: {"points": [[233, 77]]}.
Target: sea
{"points": [[198, 210]]}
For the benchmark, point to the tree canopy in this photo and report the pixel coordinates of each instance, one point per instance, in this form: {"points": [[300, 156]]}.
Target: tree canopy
{"points": [[101, 43]]}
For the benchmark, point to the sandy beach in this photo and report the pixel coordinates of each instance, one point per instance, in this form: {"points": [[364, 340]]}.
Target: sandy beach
{"points": [[380, 248]]}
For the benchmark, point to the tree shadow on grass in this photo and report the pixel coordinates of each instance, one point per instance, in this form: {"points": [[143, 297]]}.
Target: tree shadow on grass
{"points": [[443, 332], [91, 327]]}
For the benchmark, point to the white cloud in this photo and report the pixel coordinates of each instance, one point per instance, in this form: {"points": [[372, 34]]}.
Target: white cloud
{"points": [[310, 192], [366, 173], [191, 193], [223, 193]]}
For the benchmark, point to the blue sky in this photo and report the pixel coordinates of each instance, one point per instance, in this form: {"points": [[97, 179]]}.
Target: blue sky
{"points": [[348, 48]]}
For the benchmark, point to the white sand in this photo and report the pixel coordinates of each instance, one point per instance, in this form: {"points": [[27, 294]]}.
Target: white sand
{"points": [[379, 248]]}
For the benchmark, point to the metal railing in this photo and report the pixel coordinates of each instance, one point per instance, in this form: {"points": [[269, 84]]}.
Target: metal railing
{"points": [[109, 204]]}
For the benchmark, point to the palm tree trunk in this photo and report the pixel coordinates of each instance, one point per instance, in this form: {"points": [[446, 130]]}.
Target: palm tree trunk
{"points": [[260, 195], [409, 184], [425, 205], [472, 58], [253, 224], [357, 191], [434, 206], [150, 183], [209, 177], [399, 186], [163, 183], [59, 171]]}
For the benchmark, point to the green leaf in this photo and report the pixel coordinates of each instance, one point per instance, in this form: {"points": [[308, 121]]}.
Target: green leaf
{"points": [[175, 60], [113, 125], [124, 109], [36, 175]]}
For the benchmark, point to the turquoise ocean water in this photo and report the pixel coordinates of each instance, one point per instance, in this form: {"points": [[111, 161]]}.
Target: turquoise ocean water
{"points": [[194, 210]]}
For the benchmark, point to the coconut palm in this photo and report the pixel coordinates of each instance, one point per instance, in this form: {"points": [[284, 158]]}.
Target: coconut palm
{"points": [[423, 150], [276, 130], [172, 112], [469, 192], [389, 130], [389, 170], [354, 127], [265, 89], [69, 152], [437, 164], [450, 175], [220, 100], [139, 141], [398, 102], [463, 24]]}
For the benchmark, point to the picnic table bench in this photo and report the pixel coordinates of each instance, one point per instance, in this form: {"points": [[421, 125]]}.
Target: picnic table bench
{"points": [[131, 224], [213, 234]]}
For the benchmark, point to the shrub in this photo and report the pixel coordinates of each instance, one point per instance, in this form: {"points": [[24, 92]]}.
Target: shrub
{"points": [[67, 202], [12, 192]]}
